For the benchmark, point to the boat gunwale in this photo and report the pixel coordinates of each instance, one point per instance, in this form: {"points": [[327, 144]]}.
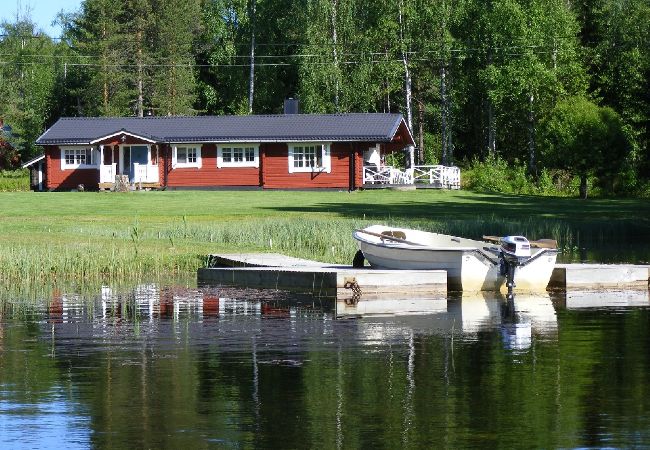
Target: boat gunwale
{"points": [[490, 253]]}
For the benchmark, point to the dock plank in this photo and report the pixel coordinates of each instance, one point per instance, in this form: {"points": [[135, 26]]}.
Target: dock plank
{"points": [[600, 276]]}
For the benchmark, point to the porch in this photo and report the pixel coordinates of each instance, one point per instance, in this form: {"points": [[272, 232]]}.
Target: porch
{"points": [[426, 177], [128, 167]]}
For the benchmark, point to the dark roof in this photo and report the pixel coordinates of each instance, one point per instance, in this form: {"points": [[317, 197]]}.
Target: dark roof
{"points": [[369, 127]]}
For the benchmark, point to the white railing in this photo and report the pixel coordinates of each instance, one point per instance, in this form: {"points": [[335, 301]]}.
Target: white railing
{"points": [[444, 177], [107, 173], [375, 175], [386, 175], [145, 173]]}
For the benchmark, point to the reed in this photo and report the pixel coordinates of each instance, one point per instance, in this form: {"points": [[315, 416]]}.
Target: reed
{"points": [[140, 251]]}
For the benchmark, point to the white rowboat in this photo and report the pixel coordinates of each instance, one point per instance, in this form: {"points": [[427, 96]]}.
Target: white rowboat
{"points": [[471, 265]]}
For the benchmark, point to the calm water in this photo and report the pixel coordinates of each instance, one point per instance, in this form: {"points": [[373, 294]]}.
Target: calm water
{"points": [[178, 367]]}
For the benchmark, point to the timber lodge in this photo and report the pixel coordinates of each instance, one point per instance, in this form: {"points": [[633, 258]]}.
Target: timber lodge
{"points": [[283, 151]]}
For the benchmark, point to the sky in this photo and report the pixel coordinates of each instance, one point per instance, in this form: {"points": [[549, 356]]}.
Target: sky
{"points": [[42, 12]]}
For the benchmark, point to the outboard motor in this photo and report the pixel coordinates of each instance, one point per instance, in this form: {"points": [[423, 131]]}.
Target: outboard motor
{"points": [[515, 251]]}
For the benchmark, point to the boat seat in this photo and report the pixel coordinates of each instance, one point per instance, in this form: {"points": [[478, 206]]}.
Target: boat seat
{"points": [[394, 233]]}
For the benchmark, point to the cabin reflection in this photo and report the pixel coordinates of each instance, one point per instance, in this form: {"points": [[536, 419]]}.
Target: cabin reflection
{"points": [[149, 303]]}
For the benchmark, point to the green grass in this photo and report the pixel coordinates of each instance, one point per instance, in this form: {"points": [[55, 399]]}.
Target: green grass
{"points": [[47, 237]]}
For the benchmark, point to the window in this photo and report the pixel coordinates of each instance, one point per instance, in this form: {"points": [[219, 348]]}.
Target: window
{"points": [[240, 155], [309, 158], [187, 156], [78, 158]]}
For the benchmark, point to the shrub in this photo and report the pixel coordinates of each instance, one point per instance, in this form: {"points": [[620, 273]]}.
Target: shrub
{"points": [[496, 175], [14, 180]]}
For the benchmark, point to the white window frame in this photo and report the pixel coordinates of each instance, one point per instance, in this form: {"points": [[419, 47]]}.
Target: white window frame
{"points": [[326, 159], [239, 146], [183, 165], [94, 157]]}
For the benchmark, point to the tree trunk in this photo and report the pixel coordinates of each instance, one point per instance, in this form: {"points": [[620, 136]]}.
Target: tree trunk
{"points": [[532, 145], [583, 187], [140, 101], [251, 78], [421, 159], [407, 87], [443, 114], [336, 55], [491, 143]]}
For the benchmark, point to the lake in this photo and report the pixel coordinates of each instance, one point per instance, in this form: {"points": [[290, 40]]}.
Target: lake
{"points": [[160, 365]]}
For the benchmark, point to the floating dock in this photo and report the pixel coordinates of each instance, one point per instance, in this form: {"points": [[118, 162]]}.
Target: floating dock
{"points": [[361, 291], [599, 276], [275, 271]]}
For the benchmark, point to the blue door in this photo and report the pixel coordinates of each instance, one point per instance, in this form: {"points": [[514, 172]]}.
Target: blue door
{"points": [[139, 155]]}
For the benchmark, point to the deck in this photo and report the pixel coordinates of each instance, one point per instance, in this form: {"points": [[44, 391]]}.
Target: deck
{"points": [[273, 270], [370, 291], [421, 177]]}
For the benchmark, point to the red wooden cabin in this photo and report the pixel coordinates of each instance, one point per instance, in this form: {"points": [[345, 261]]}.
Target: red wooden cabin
{"points": [[268, 151]]}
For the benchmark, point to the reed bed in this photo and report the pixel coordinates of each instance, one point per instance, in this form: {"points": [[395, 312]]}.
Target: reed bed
{"points": [[103, 252]]}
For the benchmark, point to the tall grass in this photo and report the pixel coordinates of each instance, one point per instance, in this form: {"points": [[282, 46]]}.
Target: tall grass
{"points": [[14, 180], [107, 237], [106, 253]]}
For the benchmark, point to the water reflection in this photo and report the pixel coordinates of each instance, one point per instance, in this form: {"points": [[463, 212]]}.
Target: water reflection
{"points": [[624, 298], [169, 366], [522, 316]]}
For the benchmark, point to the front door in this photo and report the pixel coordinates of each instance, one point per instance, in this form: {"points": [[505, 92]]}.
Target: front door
{"points": [[139, 155]]}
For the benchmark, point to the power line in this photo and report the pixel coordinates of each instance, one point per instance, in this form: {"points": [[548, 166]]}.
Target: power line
{"points": [[277, 64], [362, 55]]}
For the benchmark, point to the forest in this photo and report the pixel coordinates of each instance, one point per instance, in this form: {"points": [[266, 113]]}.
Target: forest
{"points": [[550, 93]]}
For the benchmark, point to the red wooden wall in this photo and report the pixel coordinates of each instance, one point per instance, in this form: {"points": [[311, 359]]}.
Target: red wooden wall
{"points": [[209, 174], [67, 179], [275, 168], [273, 172]]}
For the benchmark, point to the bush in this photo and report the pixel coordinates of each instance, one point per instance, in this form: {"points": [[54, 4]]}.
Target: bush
{"points": [[14, 180], [496, 175], [9, 157]]}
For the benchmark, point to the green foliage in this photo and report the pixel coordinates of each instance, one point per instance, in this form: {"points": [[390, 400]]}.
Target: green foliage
{"points": [[25, 89], [497, 175], [586, 140], [14, 180], [486, 77]]}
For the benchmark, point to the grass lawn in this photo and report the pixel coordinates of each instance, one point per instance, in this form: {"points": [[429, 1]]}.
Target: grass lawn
{"points": [[89, 235]]}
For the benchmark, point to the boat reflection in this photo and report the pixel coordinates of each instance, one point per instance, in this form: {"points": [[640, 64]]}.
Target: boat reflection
{"points": [[519, 319], [523, 316]]}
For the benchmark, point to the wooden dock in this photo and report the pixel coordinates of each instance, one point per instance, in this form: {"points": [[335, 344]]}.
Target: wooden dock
{"points": [[599, 276], [276, 271]]}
